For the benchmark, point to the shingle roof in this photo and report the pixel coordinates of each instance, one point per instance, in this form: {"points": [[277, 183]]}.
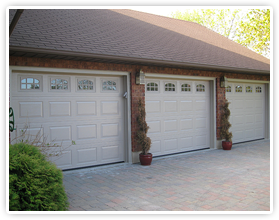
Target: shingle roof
{"points": [[128, 35]]}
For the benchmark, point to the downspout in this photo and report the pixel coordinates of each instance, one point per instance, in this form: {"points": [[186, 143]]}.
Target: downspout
{"points": [[15, 20]]}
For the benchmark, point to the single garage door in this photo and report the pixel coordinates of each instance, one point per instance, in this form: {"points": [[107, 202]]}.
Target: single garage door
{"points": [[178, 114], [247, 111], [65, 108]]}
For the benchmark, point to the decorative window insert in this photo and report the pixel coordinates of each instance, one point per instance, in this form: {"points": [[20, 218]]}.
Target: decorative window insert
{"points": [[152, 87], [258, 89], [85, 84], [238, 89], [60, 84], [229, 89], [29, 83], [169, 87], [109, 85], [185, 87], [200, 88], [249, 89]]}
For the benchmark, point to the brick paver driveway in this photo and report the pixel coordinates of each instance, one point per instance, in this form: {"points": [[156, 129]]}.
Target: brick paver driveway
{"points": [[210, 180]]}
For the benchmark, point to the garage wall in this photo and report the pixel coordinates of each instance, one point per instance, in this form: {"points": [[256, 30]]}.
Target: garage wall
{"points": [[137, 91]]}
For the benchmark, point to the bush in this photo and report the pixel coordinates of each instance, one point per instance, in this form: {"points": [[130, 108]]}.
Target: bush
{"points": [[35, 184]]}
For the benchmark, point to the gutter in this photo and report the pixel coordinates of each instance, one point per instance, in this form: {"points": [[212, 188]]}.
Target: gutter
{"points": [[15, 20], [138, 60]]}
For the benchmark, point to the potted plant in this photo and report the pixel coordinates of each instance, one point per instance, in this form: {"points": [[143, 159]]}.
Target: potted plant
{"points": [[142, 139], [225, 126]]}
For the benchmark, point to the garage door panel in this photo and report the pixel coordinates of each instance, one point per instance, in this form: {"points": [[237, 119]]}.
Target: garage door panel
{"points": [[94, 119], [186, 105], [186, 124], [86, 108], [30, 109], [171, 145], [60, 133], [170, 106], [183, 114], [247, 113], [110, 108], [59, 109], [86, 156], [87, 131], [153, 106], [170, 125]]}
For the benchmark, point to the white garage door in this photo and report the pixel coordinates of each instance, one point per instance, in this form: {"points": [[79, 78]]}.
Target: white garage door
{"points": [[247, 111], [177, 113], [65, 108]]}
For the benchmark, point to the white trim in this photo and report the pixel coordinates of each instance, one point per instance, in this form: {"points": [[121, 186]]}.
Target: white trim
{"points": [[247, 81], [156, 75], [127, 107], [66, 70], [212, 96]]}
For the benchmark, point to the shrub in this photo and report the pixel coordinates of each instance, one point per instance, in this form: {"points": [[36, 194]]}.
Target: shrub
{"points": [[143, 140], [225, 124], [35, 184]]}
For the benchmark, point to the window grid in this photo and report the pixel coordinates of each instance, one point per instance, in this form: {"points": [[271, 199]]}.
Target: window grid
{"points": [[85, 85], [185, 87], [169, 87], [60, 84], [238, 89], [249, 89], [258, 89], [109, 85], [30, 83], [200, 88], [229, 89], [152, 87]]}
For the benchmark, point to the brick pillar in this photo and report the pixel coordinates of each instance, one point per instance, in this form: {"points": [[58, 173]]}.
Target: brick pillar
{"points": [[137, 91], [220, 99]]}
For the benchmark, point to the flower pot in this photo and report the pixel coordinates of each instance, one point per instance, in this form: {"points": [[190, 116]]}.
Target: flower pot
{"points": [[145, 159], [227, 145]]}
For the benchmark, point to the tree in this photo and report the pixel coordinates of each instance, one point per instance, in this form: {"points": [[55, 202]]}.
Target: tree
{"points": [[250, 28], [254, 32]]}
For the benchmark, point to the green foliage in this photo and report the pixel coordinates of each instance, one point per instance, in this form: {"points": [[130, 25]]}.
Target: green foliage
{"points": [[143, 140], [35, 184], [254, 31], [225, 124], [250, 28]]}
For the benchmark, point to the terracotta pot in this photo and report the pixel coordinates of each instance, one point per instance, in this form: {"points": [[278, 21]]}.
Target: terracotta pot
{"points": [[227, 145], [145, 159]]}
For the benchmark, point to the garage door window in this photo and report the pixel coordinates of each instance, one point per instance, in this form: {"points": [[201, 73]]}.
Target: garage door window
{"points": [[109, 85], [249, 89], [60, 84], [85, 84], [238, 89], [152, 86], [200, 88], [185, 87], [169, 87], [29, 83], [258, 89], [229, 89]]}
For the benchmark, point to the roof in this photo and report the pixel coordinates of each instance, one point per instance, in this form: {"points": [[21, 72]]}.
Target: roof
{"points": [[127, 36]]}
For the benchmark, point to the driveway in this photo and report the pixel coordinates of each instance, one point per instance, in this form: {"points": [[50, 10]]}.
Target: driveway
{"points": [[208, 180]]}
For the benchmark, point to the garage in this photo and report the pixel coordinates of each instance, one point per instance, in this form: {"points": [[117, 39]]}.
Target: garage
{"points": [[86, 109], [178, 114], [247, 111]]}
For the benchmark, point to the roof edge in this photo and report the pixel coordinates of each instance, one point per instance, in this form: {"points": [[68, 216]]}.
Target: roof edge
{"points": [[137, 60]]}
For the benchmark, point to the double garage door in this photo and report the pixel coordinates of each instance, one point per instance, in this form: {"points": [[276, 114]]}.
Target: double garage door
{"points": [[88, 110], [178, 114], [247, 106]]}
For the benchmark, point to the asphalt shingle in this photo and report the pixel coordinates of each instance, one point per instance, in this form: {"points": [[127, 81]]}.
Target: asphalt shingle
{"points": [[130, 34]]}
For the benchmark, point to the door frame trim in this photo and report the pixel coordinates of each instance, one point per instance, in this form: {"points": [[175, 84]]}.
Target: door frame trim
{"points": [[212, 101], [127, 102]]}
